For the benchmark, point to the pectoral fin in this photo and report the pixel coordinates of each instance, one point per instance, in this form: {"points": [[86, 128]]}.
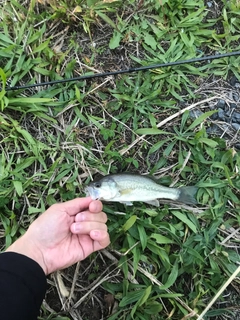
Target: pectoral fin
{"points": [[126, 192]]}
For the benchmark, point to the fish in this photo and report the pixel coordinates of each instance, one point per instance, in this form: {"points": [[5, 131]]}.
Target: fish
{"points": [[127, 188]]}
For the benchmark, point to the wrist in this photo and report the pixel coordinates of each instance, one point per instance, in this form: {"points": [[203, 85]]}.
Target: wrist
{"points": [[27, 248]]}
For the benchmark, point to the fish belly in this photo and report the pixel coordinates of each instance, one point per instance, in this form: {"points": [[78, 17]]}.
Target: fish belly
{"points": [[129, 195]]}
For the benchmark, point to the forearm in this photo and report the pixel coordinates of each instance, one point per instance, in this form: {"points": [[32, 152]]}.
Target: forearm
{"points": [[27, 247], [23, 287]]}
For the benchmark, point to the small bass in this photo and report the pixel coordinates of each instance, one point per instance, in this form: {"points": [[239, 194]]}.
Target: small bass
{"points": [[127, 188]]}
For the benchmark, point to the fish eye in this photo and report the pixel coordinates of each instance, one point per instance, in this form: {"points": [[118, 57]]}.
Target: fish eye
{"points": [[98, 185]]}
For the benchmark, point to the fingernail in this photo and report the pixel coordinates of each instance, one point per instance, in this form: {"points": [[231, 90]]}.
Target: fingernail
{"points": [[95, 233], [77, 227], [81, 216]]}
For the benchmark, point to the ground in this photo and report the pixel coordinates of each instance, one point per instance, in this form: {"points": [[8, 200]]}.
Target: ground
{"points": [[180, 124]]}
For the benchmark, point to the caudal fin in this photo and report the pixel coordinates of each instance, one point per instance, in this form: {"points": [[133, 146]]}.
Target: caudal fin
{"points": [[187, 195]]}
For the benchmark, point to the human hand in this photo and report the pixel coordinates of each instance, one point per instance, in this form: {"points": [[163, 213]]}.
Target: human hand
{"points": [[65, 234]]}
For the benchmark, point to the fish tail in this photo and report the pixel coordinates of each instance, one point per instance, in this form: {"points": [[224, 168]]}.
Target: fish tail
{"points": [[187, 195]]}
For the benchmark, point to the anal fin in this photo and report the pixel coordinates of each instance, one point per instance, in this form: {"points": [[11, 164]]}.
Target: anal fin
{"points": [[153, 202], [127, 203]]}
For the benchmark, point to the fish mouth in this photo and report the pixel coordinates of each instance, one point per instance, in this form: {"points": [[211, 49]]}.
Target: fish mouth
{"points": [[87, 191], [90, 192]]}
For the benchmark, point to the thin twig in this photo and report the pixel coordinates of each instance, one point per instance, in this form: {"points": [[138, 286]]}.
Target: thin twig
{"points": [[150, 277], [154, 280], [106, 278], [237, 271], [226, 239], [162, 123], [181, 169], [61, 289], [76, 273]]}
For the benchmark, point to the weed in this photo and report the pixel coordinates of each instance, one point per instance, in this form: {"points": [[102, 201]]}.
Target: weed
{"points": [[163, 262]]}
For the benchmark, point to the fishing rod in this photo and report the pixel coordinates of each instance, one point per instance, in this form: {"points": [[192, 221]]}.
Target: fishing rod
{"points": [[130, 70]]}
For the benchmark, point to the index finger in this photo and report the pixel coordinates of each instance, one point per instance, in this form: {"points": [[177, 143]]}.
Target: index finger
{"points": [[75, 206]]}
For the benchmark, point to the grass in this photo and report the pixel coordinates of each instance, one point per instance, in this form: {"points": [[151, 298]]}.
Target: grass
{"points": [[165, 263]]}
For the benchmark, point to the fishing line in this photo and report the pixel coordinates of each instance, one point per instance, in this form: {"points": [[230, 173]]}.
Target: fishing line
{"points": [[130, 70]]}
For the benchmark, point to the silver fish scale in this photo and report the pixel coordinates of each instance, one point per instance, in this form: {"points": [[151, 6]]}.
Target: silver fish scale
{"points": [[142, 183]]}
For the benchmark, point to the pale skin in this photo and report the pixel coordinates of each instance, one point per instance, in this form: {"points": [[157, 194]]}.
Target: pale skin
{"points": [[64, 234]]}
